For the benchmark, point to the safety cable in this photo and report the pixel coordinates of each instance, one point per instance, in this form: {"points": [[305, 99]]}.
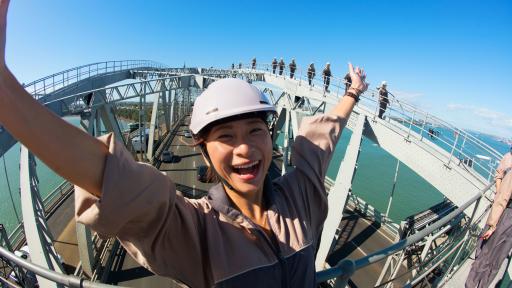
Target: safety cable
{"points": [[424, 263]]}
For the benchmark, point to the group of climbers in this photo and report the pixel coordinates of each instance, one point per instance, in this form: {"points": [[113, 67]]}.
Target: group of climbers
{"points": [[326, 77]]}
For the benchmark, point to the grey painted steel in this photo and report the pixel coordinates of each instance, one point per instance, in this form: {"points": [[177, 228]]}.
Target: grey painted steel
{"points": [[37, 233], [126, 91], [172, 100], [166, 101], [393, 189], [85, 245], [107, 112], [286, 143], [51, 276], [153, 122], [339, 192], [345, 268]]}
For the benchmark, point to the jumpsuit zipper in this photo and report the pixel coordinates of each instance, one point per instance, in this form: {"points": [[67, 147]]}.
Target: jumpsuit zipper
{"points": [[275, 250]]}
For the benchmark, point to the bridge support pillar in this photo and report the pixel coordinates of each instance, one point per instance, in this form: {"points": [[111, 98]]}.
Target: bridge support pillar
{"points": [[37, 233], [85, 248], [153, 123], [286, 142], [166, 102], [338, 194], [107, 114]]}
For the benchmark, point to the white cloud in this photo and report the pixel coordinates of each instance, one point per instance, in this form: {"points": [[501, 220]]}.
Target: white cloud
{"points": [[488, 118], [407, 96], [453, 106]]}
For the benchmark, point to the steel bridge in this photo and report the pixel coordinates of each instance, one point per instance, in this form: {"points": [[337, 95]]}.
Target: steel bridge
{"points": [[433, 246]]}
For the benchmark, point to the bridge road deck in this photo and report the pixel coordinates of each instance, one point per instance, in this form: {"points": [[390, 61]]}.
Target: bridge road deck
{"points": [[62, 224]]}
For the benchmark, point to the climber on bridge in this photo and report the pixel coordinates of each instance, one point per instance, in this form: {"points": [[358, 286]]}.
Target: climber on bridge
{"points": [[292, 67], [250, 231], [311, 73], [281, 66], [326, 73], [253, 66], [383, 98], [274, 65]]}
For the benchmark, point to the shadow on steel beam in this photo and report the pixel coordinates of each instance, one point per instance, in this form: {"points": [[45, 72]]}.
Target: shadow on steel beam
{"points": [[345, 244]]}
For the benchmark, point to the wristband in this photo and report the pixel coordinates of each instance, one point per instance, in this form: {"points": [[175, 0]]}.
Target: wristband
{"points": [[358, 91], [352, 95]]}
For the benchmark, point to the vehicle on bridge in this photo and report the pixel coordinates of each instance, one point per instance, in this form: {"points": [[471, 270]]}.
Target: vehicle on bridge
{"points": [[167, 157]]}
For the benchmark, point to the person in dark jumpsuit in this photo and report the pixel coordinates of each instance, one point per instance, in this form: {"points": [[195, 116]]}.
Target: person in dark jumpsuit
{"points": [[326, 73], [292, 67], [383, 98], [274, 65], [254, 63], [240, 65], [311, 73], [348, 82], [281, 66]]}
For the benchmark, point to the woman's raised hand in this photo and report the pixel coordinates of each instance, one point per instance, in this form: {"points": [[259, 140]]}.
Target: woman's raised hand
{"points": [[67, 150], [358, 77]]}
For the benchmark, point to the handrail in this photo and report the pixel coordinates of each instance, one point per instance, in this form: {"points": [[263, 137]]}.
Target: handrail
{"points": [[67, 280], [346, 267], [115, 89], [51, 83]]}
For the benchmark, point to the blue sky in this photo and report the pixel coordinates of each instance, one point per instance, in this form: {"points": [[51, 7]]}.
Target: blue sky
{"points": [[452, 58]]}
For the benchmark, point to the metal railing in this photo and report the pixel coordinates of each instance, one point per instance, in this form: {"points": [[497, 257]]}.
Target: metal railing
{"points": [[67, 280], [344, 269], [51, 83]]}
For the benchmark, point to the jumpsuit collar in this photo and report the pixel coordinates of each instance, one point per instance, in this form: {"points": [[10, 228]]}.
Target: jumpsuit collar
{"points": [[220, 201]]}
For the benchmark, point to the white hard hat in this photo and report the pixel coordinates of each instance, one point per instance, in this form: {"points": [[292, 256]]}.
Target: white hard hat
{"points": [[225, 98], [383, 83]]}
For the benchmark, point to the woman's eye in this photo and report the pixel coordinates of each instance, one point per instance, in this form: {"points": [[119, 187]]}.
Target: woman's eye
{"points": [[256, 130], [224, 136]]}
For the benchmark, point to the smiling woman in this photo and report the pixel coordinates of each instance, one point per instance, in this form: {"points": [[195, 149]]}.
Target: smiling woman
{"points": [[249, 231]]}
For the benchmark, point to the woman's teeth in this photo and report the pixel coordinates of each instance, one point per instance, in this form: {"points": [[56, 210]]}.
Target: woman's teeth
{"points": [[247, 165], [247, 168]]}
